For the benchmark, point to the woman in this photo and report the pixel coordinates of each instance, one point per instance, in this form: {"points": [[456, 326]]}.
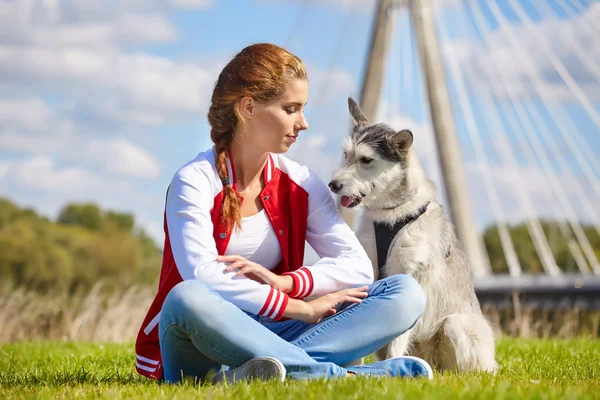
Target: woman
{"points": [[232, 285]]}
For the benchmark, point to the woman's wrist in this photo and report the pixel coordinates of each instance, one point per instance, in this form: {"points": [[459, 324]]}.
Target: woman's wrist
{"points": [[298, 309], [286, 284]]}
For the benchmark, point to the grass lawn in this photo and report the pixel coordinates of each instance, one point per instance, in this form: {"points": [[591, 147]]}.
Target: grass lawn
{"points": [[530, 369]]}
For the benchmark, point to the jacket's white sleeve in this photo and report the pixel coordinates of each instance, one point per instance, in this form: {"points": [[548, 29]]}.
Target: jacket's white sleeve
{"points": [[344, 262], [188, 205]]}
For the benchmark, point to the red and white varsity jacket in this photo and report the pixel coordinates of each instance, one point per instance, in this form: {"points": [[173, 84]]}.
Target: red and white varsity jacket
{"points": [[299, 207]]}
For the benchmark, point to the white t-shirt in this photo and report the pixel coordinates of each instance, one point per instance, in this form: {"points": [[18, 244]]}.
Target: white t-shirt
{"points": [[256, 241]]}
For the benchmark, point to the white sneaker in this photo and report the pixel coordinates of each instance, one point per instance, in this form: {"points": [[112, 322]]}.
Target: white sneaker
{"points": [[261, 368]]}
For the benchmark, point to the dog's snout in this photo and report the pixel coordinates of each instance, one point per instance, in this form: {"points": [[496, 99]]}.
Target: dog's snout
{"points": [[335, 186]]}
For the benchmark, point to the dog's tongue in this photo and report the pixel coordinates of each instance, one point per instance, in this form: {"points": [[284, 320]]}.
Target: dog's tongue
{"points": [[345, 201]]}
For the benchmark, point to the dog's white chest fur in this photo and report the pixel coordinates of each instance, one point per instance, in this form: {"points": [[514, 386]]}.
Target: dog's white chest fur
{"points": [[409, 252]]}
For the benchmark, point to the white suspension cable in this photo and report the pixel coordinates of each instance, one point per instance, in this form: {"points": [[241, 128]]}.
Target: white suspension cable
{"points": [[508, 153], [557, 64], [581, 9], [557, 114], [564, 166], [407, 53], [514, 266], [396, 66], [568, 39], [563, 200], [584, 24]]}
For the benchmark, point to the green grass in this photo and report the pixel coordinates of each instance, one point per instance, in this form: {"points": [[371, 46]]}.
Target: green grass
{"points": [[530, 369]]}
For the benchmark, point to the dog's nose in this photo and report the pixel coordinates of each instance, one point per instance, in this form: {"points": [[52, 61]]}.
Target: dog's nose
{"points": [[335, 186]]}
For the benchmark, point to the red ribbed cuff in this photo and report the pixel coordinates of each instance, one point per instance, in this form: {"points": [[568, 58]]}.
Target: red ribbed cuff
{"points": [[275, 305], [303, 283]]}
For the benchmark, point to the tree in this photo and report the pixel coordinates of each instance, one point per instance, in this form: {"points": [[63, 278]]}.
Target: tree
{"points": [[87, 215], [124, 221]]}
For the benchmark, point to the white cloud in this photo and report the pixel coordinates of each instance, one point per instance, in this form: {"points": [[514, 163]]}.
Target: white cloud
{"points": [[113, 156], [150, 90], [11, 140], [41, 173], [71, 48], [189, 4], [122, 157], [315, 141], [90, 22], [31, 114], [353, 5], [32, 126], [326, 85], [4, 168], [127, 29]]}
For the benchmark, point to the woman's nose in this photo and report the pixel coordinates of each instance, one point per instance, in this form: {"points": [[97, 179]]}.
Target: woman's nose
{"points": [[303, 123]]}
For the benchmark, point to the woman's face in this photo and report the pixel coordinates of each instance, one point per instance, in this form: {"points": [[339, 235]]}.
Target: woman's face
{"points": [[275, 125]]}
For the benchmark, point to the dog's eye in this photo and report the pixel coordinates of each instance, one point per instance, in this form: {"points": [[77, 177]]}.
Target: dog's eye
{"points": [[345, 155], [366, 160]]}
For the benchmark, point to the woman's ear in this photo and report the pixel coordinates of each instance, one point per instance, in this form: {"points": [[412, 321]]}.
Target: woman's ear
{"points": [[247, 107]]}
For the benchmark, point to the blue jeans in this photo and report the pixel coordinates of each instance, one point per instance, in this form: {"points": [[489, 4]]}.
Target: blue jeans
{"points": [[200, 332]]}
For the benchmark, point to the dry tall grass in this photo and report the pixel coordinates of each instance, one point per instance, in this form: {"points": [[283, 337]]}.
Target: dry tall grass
{"points": [[93, 316], [115, 316], [516, 320]]}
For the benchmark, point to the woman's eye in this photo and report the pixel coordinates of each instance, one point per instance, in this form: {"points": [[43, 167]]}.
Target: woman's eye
{"points": [[365, 160], [290, 110]]}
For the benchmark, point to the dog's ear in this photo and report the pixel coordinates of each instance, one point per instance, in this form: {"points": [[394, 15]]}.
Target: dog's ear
{"points": [[401, 141], [356, 113]]}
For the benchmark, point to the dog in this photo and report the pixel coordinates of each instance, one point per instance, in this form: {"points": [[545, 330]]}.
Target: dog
{"points": [[381, 176]]}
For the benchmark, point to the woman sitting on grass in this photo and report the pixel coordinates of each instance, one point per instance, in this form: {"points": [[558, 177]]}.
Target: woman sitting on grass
{"points": [[232, 286]]}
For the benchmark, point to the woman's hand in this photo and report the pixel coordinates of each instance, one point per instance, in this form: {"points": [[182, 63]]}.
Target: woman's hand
{"points": [[257, 273], [323, 307]]}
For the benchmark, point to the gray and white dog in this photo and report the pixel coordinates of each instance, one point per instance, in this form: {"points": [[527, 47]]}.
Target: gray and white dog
{"points": [[380, 174]]}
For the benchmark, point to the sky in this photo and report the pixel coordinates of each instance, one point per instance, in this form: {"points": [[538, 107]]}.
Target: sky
{"points": [[103, 100]]}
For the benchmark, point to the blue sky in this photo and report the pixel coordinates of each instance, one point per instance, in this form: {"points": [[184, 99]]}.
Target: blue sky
{"points": [[103, 102]]}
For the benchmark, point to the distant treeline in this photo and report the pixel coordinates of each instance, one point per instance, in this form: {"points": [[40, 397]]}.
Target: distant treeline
{"points": [[526, 251], [87, 245]]}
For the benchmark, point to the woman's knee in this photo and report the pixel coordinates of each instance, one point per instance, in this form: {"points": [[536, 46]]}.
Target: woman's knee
{"points": [[190, 296], [409, 297]]}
